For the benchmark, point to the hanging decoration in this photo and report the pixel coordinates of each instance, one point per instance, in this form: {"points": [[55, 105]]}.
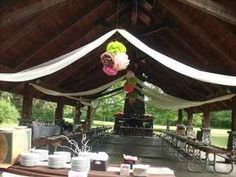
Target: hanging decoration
{"points": [[131, 81], [115, 58]]}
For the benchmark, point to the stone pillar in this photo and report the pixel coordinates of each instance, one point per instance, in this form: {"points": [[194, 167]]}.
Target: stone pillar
{"points": [[205, 130], [189, 126], [59, 113], [26, 117], [180, 128], [232, 134]]}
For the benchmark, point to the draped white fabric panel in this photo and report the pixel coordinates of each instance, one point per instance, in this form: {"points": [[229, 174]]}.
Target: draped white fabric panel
{"points": [[65, 60], [165, 101], [179, 67], [55, 64], [88, 92]]}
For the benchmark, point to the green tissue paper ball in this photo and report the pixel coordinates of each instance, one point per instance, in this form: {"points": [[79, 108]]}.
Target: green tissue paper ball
{"points": [[115, 47], [132, 81]]}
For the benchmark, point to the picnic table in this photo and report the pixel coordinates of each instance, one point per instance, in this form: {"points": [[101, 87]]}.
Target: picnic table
{"points": [[192, 151]]}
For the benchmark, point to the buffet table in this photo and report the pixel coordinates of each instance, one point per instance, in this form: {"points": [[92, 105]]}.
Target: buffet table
{"points": [[112, 171]]}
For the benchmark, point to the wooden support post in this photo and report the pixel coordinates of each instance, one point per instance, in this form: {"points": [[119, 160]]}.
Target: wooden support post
{"points": [[77, 114], [59, 113], [233, 117], [180, 128], [190, 119], [26, 117], [206, 119], [180, 116], [232, 133], [89, 117]]}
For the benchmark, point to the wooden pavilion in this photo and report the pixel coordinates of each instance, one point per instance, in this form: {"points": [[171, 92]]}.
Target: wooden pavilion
{"points": [[199, 33]]}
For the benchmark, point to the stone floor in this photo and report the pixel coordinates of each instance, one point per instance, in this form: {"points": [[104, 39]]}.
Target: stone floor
{"points": [[149, 151]]}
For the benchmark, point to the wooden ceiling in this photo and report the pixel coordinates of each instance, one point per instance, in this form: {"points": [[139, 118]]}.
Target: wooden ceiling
{"points": [[198, 33]]}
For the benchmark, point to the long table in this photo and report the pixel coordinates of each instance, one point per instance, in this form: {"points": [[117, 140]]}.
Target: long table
{"points": [[43, 171], [191, 150]]}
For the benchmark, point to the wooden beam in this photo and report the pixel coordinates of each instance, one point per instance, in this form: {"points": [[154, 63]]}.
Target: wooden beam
{"points": [[28, 11], [197, 30], [61, 34], [213, 8], [83, 37], [20, 33], [134, 12]]}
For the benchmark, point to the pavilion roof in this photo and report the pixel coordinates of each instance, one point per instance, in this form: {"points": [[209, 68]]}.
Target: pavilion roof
{"points": [[200, 34]]}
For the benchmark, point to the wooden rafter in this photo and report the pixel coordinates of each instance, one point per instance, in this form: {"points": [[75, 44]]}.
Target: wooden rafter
{"points": [[196, 29], [58, 36], [213, 8], [134, 12], [20, 33], [28, 11]]}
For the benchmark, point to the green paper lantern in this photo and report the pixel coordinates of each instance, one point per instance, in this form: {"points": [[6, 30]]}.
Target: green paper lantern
{"points": [[115, 47]]}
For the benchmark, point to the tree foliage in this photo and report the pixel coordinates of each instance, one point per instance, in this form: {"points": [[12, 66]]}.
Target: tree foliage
{"points": [[8, 112]]}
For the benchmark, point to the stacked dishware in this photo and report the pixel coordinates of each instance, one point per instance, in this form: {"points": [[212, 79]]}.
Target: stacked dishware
{"points": [[43, 154], [67, 155], [56, 161], [29, 159], [80, 164]]}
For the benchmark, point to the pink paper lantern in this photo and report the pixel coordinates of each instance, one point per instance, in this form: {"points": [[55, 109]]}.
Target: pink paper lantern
{"points": [[109, 70]]}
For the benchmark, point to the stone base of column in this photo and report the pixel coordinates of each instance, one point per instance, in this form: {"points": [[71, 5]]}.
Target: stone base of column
{"points": [[206, 135], [25, 122], [180, 129], [190, 132]]}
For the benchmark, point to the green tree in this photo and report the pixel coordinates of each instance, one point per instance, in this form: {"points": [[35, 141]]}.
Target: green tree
{"points": [[8, 112], [43, 111]]}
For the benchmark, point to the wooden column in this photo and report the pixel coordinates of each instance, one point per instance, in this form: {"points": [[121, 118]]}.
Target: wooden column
{"points": [[232, 133], [180, 128], [77, 114], [233, 117], [59, 112], [26, 117], [206, 119], [190, 119], [180, 116], [89, 117]]}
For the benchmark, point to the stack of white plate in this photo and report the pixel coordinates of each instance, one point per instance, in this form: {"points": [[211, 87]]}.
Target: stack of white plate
{"points": [[43, 154], [80, 164], [56, 161], [29, 159], [67, 155]]}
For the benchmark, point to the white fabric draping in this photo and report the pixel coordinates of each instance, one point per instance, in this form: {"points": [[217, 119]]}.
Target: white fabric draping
{"points": [[179, 67], [88, 92], [56, 64], [165, 101], [65, 60]]}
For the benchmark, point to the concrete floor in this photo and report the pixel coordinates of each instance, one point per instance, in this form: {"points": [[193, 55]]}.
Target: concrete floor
{"points": [[149, 151]]}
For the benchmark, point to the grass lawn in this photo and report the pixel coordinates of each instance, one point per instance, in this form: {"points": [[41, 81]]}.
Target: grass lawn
{"points": [[219, 137]]}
